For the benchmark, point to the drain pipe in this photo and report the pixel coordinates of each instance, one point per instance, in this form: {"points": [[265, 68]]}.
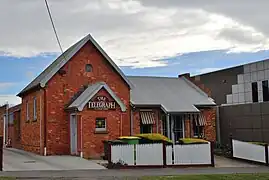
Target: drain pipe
{"points": [[40, 124], [81, 136]]}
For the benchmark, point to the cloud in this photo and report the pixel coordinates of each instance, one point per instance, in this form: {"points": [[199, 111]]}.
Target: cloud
{"points": [[135, 33], [10, 99], [5, 85]]}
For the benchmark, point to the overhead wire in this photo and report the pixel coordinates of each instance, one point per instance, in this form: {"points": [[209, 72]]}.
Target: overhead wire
{"points": [[53, 26]]}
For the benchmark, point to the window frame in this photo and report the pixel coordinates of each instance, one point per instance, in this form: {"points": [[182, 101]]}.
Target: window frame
{"points": [[146, 127], [27, 111], [265, 90], [255, 92], [100, 129], [87, 66], [34, 109]]}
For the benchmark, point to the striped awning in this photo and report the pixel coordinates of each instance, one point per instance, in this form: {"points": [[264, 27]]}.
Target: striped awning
{"points": [[147, 117], [198, 119], [202, 120]]}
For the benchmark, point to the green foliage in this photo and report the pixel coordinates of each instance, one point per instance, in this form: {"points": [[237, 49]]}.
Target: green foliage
{"points": [[258, 143], [192, 141], [154, 137]]}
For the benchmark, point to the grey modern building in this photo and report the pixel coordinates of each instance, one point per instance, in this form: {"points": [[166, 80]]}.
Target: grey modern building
{"points": [[242, 95]]}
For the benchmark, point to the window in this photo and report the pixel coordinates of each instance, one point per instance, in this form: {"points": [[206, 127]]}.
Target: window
{"points": [[34, 110], [198, 131], [11, 118], [254, 92], [100, 124], [27, 112], [146, 128], [265, 90], [88, 68]]}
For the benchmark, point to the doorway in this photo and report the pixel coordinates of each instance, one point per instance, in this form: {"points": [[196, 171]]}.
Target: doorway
{"points": [[73, 135], [178, 127]]}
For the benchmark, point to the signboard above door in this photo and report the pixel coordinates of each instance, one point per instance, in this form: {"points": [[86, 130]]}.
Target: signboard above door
{"points": [[102, 103]]}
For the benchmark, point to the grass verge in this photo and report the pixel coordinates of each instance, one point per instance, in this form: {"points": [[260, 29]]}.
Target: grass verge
{"points": [[212, 177]]}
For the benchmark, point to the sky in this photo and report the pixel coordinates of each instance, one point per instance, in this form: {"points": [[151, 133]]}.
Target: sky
{"points": [[143, 37]]}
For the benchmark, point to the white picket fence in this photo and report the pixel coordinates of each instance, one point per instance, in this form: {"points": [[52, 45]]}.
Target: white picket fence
{"points": [[248, 151], [152, 154], [195, 154]]}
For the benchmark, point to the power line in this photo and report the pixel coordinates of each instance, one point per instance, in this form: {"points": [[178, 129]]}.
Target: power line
{"points": [[53, 26]]}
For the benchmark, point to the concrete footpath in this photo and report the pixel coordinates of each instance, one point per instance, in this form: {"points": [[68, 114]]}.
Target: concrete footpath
{"points": [[18, 160], [120, 174]]}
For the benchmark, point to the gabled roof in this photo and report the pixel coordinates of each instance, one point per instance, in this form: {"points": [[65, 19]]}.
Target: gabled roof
{"points": [[174, 95], [53, 68], [89, 93]]}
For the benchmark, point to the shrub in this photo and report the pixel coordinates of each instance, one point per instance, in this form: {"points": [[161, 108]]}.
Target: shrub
{"points": [[258, 143], [192, 141], [128, 137], [154, 137]]}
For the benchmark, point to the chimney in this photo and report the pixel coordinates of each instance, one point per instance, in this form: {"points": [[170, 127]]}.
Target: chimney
{"points": [[186, 75]]}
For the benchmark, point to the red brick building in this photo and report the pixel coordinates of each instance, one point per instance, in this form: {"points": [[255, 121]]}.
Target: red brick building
{"points": [[83, 98]]}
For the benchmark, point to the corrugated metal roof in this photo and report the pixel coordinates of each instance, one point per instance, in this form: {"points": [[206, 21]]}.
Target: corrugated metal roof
{"points": [[173, 94], [47, 74]]}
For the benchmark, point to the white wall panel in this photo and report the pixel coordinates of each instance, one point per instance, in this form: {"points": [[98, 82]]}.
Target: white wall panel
{"points": [[253, 67], [149, 154], [169, 155], [259, 85], [248, 97], [248, 151], [246, 68], [229, 99], [260, 66], [124, 153], [261, 75], [247, 77], [188, 154], [260, 96], [241, 88], [254, 76], [266, 74], [235, 98], [266, 64], [241, 98], [235, 88], [240, 78], [247, 87]]}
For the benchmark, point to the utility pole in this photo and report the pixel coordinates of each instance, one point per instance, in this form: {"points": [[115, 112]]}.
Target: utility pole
{"points": [[6, 125]]}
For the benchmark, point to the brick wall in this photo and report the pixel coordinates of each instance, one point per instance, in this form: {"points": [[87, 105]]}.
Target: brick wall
{"points": [[92, 141], [210, 128], [61, 88], [157, 118], [30, 129], [2, 113]]}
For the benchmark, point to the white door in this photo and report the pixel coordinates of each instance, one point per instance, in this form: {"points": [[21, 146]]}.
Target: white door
{"points": [[73, 134]]}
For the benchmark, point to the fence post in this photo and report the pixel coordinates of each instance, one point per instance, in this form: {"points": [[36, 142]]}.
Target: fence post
{"points": [[212, 154], [266, 154], [109, 153], [1, 153], [231, 143], [164, 155]]}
